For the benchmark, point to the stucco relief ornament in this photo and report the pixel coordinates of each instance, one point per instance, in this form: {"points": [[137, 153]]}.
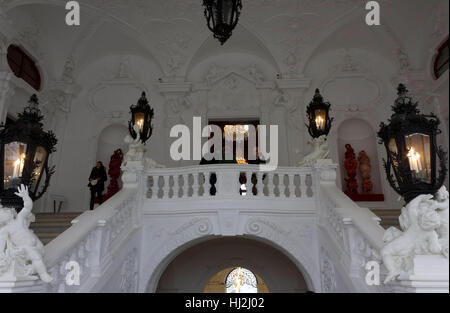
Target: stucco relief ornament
{"points": [[320, 151], [136, 151], [214, 73], [255, 73], [21, 252], [424, 222], [67, 75]]}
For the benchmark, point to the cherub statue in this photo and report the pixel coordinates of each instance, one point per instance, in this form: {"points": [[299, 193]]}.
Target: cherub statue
{"points": [[21, 251], [442, 209], [320, 151], [136, 151], [419, 221]]}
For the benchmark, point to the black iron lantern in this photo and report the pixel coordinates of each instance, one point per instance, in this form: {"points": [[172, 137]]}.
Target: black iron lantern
{"points": [[318, 113], [24, 151], [222, 17], [412, 151], [141, 115]]}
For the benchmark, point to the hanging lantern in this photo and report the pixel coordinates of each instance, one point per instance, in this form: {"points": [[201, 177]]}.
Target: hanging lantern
{"points": [[141, 115], [412, 151], [222, 17], [319, 116], [24, 153]]}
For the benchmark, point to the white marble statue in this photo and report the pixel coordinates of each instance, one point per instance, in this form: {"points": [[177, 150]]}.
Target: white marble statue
{"points": [[21, 251], [424, 222], [136, 151], [320, 151], [442, 209]]}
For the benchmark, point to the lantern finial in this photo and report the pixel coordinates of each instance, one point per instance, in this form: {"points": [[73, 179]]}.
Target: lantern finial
{"points": [[404, 104], [317, 96], [401, 90]]}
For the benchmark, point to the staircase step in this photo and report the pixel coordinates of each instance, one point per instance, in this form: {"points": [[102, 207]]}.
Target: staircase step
{"points": [[48, 226], [388, 217]]}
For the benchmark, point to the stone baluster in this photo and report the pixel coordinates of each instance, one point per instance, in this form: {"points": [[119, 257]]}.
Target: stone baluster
{"points": [[291, 185], [185, 185], [286, 188], [270, 185], [195, 185], [166, 186], [176, 186], [259, 185], [303, 187], [248, 183]]}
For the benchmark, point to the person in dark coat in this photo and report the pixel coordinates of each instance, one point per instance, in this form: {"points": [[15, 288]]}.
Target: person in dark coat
{"points": [[97, 181]]}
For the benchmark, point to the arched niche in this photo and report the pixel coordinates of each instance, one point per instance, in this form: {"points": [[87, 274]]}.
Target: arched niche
{"points": [[109, 140], [361, 136]]}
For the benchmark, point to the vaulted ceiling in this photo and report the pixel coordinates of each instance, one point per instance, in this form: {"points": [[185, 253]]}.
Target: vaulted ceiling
{"points": [[173, 33]]}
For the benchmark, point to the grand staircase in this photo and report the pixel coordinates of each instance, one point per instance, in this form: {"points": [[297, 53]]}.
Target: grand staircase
{"points": [[48, 226], [388, 217]]}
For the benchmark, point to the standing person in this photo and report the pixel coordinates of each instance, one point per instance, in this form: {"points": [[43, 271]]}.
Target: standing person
{"points": [[97, 183]]}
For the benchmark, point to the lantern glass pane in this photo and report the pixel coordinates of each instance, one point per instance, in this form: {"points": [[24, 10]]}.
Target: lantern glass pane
{"points": [[39, 160], [227, 10], [320, 119], [419, 156], [139, 119], [15, 154]]}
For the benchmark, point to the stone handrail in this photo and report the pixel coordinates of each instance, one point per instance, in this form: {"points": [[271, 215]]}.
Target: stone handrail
{"points": [[90, 239]]}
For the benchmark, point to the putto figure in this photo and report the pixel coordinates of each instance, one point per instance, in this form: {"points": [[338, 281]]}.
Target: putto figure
{"points": [[320, 151], [424, 222], [21, 251]]}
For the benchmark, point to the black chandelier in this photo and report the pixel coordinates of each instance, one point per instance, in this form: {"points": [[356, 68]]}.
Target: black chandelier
{"points": [[24, 152], [412, 151], [222, 17], [318, 113], [141, 115]]}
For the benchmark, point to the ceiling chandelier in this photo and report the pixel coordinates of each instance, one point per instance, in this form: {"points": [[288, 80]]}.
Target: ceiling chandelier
{"points": [[241, 131], [222, 17]]}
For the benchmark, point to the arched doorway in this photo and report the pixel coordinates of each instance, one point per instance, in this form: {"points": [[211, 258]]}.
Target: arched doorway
{"points": [[236, 280], [206, 266]]}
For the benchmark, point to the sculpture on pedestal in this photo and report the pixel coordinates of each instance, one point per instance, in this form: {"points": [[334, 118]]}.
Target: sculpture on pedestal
{"points": [[320, 151], [21, 252], [136, 151], [365, 172], [114, 173], [351, 165], [424, 221]]}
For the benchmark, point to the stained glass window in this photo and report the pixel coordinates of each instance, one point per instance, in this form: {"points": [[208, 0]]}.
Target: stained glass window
{"points": [[241, 280]]}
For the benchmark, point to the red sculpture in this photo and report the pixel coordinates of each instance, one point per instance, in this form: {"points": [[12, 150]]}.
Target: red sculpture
{"points": [[365, 172], [351, 164], [114, 174]]}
